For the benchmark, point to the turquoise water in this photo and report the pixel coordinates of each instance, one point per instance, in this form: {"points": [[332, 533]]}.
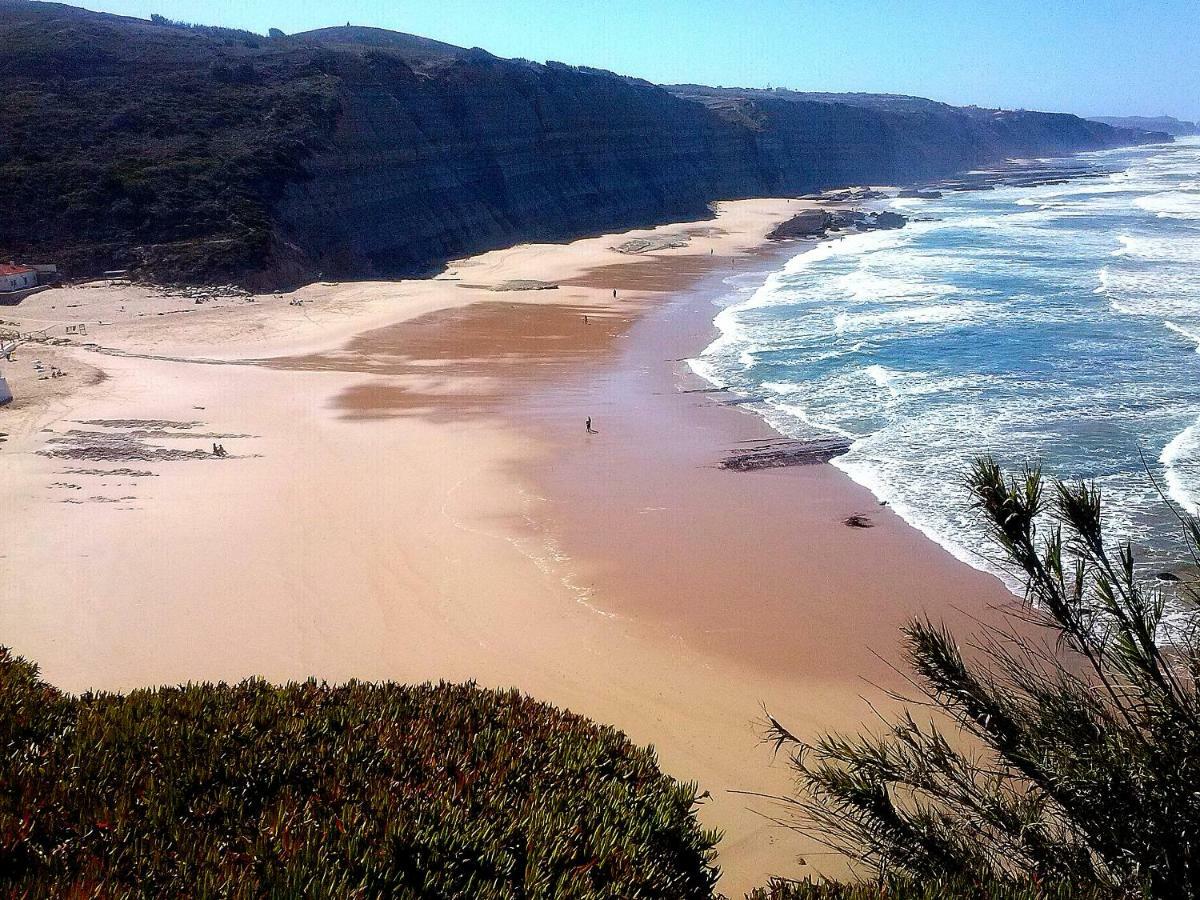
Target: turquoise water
{"points": [[1055, 325]]}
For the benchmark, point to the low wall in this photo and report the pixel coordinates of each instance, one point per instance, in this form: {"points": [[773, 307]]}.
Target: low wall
{"points": [[12, 298]]}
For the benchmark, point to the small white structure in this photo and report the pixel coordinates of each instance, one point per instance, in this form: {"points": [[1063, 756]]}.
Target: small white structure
{"points": [[17, 278]]}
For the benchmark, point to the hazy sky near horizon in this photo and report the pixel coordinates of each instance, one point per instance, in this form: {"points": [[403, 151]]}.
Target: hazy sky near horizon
{"points": [[1091, 57]]}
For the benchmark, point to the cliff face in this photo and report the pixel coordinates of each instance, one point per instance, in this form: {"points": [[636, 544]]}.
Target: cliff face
{"points": [[1167, 124], [814, 140], [199, 153], [422, 168]]}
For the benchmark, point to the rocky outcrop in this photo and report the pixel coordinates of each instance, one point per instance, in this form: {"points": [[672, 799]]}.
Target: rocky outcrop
{"points": [[213, 155], [818, 223], [888, 220], [811, 223], [778, 454]]}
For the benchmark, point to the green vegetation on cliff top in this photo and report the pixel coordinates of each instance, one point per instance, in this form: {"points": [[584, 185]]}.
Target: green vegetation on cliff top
{"points": [[307, 790]]}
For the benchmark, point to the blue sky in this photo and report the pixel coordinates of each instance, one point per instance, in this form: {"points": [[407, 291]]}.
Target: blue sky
{"points": [[1089, 57]]}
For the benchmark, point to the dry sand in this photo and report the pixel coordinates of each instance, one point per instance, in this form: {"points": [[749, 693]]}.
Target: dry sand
{"points": [[410, 495]]}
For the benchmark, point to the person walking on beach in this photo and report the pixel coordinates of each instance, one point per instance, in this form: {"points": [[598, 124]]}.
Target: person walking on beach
{"points": [[614, 293], [588, 425]]}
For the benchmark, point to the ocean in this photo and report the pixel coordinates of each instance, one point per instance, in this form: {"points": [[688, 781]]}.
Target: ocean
{"points": [[1056, 326]]}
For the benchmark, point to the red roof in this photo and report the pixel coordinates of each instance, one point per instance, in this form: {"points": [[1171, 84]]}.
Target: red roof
{"points": [[14, 270]]}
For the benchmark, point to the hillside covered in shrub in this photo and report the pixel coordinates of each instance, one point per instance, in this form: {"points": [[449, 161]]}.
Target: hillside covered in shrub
{"points": [[308, 790]]}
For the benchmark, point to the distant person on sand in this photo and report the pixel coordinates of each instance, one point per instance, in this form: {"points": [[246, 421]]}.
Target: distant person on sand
{"points": [[614, 293], [588, 424]]}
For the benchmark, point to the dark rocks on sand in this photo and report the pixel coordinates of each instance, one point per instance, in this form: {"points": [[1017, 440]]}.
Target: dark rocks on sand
{"points": [[652, 244], [858, 521], [848, 218], [776, 454], [889, 220], [851, 195], [817, 222], [806, 224], [524, 284]]}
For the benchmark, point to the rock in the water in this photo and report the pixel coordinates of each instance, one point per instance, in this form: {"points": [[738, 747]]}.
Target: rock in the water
{"points": [[888, 220]]}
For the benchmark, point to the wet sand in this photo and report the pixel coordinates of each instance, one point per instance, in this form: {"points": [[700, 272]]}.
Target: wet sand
{"points": [[759, 566]]}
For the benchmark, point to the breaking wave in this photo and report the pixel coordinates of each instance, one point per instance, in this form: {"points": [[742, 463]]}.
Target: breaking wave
{"points": [[1041, 325]]}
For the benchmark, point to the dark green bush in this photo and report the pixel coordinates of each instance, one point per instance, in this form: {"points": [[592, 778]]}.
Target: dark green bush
{"points": [[359, 790]]}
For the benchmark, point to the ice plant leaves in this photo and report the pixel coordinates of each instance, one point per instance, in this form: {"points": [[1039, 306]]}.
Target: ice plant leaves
{"points": [[358, 790]]}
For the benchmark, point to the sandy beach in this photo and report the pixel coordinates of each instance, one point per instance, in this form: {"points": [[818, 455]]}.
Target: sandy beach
{"points": [[410, 494]]}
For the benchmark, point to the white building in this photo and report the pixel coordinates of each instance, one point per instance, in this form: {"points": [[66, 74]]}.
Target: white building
{"points": [[17, 278]]}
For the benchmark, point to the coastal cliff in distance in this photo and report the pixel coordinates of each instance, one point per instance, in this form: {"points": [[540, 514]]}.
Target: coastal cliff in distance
{"points": [[198, 154], [1166, 124]]}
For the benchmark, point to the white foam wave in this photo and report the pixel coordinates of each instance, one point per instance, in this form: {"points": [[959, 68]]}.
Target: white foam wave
{"points": [[1172, 204], [793, 412], [873, 479], [916, 414], [1183, 332], [1159, 249], [862, 284], [940, 314], [1177, 457], [1157, 292], [856, 347], [773, 291], [883, 377]]}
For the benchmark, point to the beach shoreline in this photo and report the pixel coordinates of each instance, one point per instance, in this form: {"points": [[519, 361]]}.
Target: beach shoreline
{"points": [[411, 495]]}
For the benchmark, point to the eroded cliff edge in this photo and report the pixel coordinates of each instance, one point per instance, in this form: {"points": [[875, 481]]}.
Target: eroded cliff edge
{"points": [[204, 154]]}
